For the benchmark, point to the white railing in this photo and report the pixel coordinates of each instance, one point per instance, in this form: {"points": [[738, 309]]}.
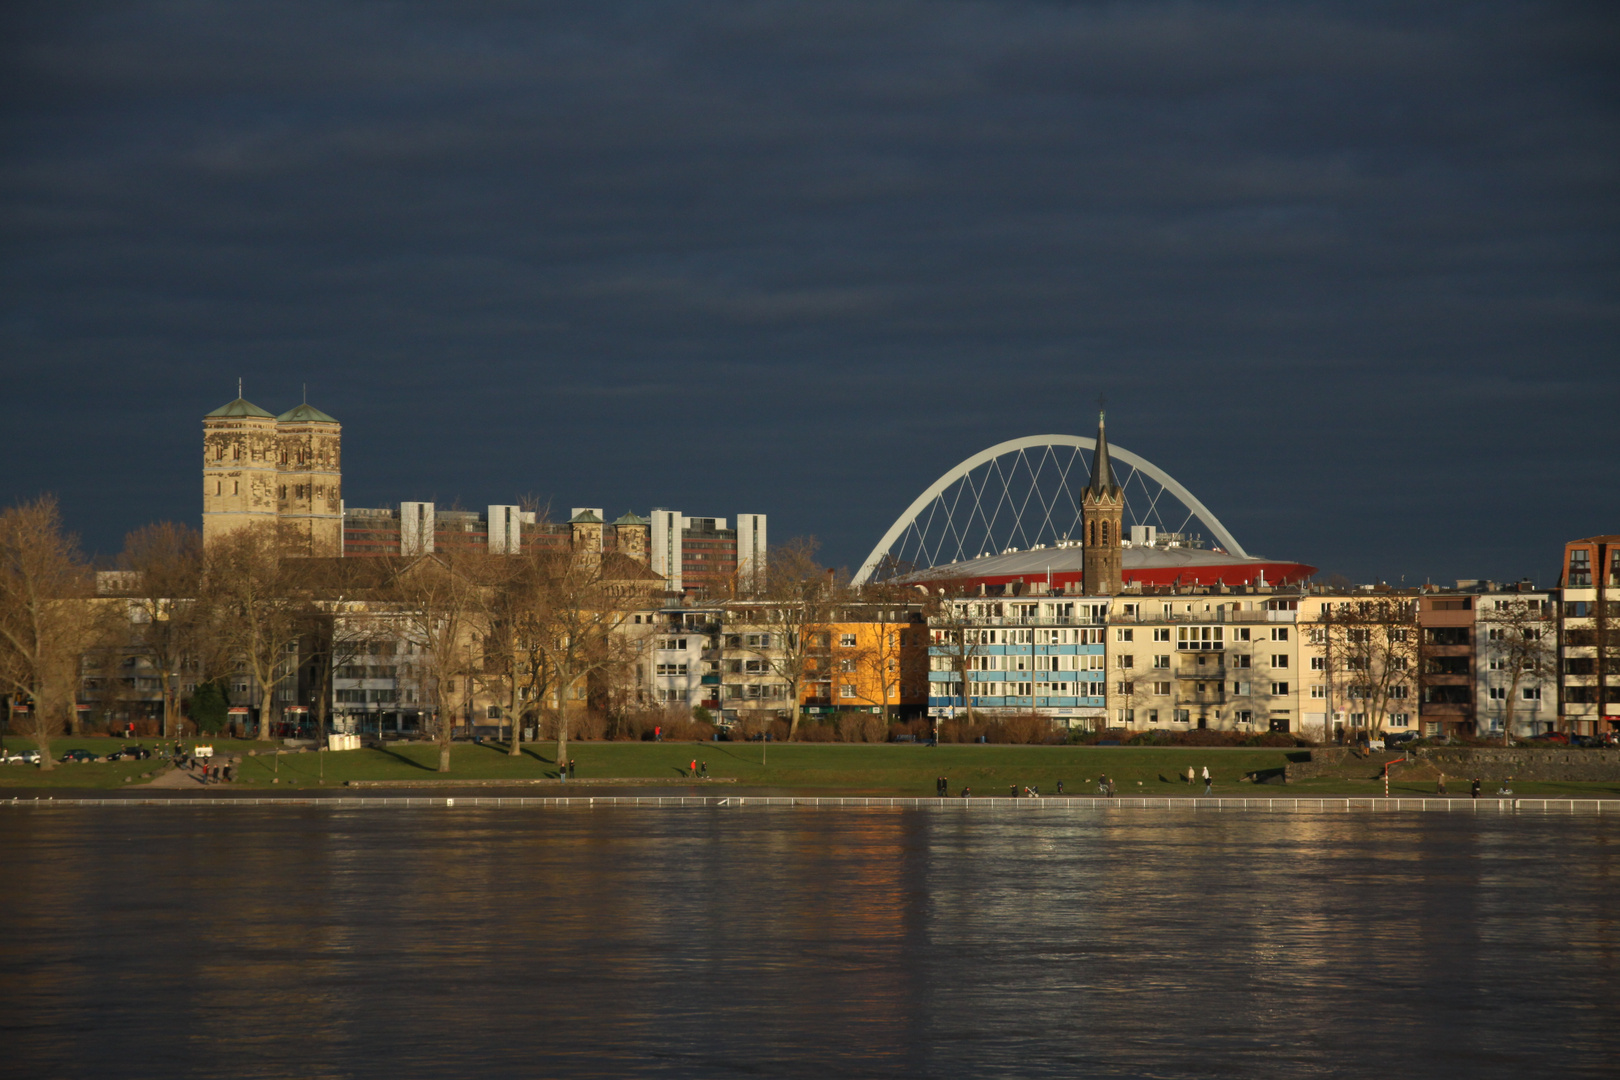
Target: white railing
{"points": [[1286, 804]]}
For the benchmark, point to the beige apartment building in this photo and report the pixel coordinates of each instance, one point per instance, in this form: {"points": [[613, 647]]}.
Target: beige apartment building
{"points": [[1215, 661]]}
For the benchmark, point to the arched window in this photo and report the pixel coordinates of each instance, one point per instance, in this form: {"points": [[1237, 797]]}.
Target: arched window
{"points": [[1093, 534], [1105, 533]]}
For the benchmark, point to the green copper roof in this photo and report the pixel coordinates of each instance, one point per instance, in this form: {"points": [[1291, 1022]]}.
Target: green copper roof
{"points": [[585, 518], [240, 407], [631, 518], [305, 413]]}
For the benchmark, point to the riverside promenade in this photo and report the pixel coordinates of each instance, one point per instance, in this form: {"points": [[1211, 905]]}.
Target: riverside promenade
{"points": [[1177, 805]]}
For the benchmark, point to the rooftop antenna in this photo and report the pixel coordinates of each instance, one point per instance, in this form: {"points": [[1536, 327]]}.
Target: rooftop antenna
{"points": [[239, 386], [306, 393]]}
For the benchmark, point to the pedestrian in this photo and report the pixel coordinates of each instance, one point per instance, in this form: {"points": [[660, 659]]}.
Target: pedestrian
{"points": [[694, 767], [1209, 781], [703, 769], [1102, 784], [1012, 791], [1060, 787], [1111, 788], [1440, 785], [562, 770], [967, 793], [1189, 774], [573, 767], [658, 733], [1473, 792]]}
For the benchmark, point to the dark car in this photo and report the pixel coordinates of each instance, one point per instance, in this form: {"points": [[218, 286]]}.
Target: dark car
{"points": [[1396, 738], [77, 755]]}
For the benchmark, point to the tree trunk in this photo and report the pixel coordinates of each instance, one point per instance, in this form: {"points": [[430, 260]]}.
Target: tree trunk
{"points": [[42, 739], [793, 723], [171, 707], [562, 724], [516, 716], [444, 747], [264, 714]]}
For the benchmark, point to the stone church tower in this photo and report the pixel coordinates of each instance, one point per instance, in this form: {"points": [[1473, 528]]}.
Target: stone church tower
{"points": [[264, 469], [309, 480], [1102, 515], [240, 451]]}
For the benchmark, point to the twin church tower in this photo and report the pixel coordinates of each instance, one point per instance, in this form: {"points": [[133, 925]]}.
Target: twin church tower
{"points": [[282, 470]]}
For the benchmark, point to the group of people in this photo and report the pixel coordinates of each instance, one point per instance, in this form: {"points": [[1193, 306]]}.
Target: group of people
{"points": [[566, 769], [698, 769]]}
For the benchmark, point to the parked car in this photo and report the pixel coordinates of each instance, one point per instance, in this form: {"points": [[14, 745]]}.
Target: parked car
{"points": [[1551, 737], [25, 757], [1398, 738], [77, 755]]}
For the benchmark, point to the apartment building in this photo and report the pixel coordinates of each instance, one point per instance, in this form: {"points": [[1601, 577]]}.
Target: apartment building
{"points": [[1589, 636], [1044, 656], [1215, 661], [1516, 666]]}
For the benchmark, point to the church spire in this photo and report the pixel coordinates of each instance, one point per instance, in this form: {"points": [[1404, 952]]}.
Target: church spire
{"points": [[1102, 474]]}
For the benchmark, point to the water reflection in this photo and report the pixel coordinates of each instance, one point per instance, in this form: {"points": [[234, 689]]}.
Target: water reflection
{"points": [[725, 942]]}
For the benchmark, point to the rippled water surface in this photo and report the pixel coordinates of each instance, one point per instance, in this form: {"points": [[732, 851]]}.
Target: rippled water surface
{"points": [[731, 942]]}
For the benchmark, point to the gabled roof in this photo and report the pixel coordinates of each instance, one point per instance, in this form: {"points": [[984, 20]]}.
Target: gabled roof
{"points": [[239, 407], [631, 518], [305, 413]]}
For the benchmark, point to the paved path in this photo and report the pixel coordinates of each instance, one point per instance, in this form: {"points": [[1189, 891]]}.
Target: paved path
{"points": [[185, 778]]}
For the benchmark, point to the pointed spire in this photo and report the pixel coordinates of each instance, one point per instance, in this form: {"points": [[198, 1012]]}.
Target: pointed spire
{"points": [[1102, 473]]}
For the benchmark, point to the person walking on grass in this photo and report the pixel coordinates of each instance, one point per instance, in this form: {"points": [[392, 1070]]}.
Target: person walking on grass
{"points": [[1189, 774], [703, 769], [1209, 781], [694, 768]]}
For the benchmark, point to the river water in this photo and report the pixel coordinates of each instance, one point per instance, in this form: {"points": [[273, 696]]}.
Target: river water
{"points": [[751, 942]]}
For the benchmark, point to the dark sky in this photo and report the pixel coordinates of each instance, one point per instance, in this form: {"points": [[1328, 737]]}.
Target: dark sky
{"points": [[1347, 271]]}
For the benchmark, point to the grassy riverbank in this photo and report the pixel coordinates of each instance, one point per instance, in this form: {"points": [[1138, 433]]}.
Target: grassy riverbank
{"points": [[889, 770]]}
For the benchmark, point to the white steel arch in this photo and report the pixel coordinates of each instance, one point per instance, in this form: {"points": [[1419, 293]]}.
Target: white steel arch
{"points": [[1013, 446]]}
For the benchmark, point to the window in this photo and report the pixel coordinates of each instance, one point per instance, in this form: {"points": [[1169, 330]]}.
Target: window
{"points": [[1399, 690], [1496, 663], [1161, 689], [1161, 634], [1125, 688], [1279, 633], [1497, 693], [1123, 635], [1244, 716], [1318, 635], [1580, 568], [1241, 689], [1182, 716], [847, 690], [846, 666], [1532, 693], [672, 669], [1318, 663], [1240, 633], [1318, 691], [1127, 660], [672, 644], [1162, 660], [1240, 661], [1279, 688], [846, 641], [1200, 638], [1279, 660], [1400, 719], [755, 667]]}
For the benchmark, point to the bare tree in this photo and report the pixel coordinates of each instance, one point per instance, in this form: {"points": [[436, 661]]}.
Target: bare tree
{"points": [[572, 625], [958, 633], [877, 662], [794, 612], [261, 608], [163, 564], [1375, 643], [1519, 638], [47, 620], [438, 605]]}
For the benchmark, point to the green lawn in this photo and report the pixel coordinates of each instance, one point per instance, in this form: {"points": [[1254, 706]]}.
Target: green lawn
{"points": [[892, 769]]}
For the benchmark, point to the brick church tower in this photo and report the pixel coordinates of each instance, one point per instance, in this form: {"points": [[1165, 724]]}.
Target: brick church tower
{"points": [[1102, 515]]}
